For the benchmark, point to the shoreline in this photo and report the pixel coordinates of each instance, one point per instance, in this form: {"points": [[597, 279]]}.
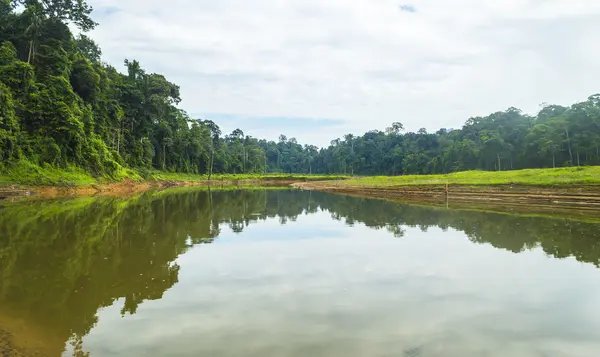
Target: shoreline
{"points": [[577, 200], [506, 198], [129, 187], [579, 195]]}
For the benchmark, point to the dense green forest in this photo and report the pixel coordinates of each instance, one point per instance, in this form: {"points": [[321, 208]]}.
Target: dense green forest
{"points": [[62, 107]]}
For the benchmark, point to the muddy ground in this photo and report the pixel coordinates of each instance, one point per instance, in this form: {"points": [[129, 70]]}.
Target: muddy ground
{"points": [[125, 188], [508, 198]]}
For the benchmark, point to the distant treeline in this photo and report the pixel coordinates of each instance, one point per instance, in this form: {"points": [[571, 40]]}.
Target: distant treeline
{"points": [[60, 105]]}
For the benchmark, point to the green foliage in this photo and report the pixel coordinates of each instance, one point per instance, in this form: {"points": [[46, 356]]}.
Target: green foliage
{"points": [[508, 140], [73, 11], [61, 106], [28, 173], [85, 80], [88, 48], [8, 125], [8, 54]]}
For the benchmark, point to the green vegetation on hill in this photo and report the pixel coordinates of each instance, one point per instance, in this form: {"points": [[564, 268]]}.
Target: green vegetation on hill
{"points": [[507, 140], [26, 173], [68, 117]]}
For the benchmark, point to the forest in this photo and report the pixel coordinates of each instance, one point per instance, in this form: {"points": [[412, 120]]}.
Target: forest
{"points": [[61, 106]]}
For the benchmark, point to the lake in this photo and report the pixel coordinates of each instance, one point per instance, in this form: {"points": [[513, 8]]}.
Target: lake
{"points": [[269, 272]]}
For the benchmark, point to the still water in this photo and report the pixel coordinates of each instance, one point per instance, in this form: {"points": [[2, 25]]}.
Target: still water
{"points": [[292, 273]]}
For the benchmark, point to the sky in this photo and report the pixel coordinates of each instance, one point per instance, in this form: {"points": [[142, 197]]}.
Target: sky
{"points": [[318, 69]]}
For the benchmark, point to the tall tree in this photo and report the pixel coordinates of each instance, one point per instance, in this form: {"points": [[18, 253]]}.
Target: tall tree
{"points": [[69, 11]]}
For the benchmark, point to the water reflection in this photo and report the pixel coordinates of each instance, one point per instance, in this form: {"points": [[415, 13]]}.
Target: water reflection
{"points": [[558, 237], [62, 261]]}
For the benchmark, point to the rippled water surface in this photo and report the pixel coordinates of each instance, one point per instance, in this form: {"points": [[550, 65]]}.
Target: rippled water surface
{"points": [[292, 273]]}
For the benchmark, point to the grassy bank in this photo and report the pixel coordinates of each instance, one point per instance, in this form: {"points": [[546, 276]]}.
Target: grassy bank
{"points": [[563, 188], [589, 175], [27, 174]]}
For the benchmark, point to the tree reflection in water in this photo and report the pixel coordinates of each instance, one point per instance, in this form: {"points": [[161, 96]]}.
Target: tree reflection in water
{"points": [[63, 260]]}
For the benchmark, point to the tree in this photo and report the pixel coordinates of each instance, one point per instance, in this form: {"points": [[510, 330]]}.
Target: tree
{"points": [[69, 11], [396, 128], [61, 106], [32, 33], [88, 48], [214, 134], [349, 141]]}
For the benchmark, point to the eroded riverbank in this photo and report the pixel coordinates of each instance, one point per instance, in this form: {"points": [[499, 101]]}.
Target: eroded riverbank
{"points": [[508, 198], [129, 187]]}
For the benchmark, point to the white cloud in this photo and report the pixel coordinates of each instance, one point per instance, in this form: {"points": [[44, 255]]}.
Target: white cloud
{"points": [[365, 62]]}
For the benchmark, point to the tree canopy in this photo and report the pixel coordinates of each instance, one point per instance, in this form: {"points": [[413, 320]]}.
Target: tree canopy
{"points": [[60, 105]]}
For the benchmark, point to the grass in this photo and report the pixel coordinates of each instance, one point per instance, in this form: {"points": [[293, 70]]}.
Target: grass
{"points": [[168, 176], [29, 174], [26, 173], [589, 175]]}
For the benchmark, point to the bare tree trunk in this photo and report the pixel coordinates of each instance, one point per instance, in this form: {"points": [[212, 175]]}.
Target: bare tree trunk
{"points": [[352, 163], [553, 161], [569, 145], [499, 166], [278, 160], [164, 158], [30, 55], [212, 160], [577, 158], [244, 159], [119, 139]]}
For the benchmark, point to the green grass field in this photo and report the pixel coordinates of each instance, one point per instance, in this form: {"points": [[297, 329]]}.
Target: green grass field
{"points": [[26, 173], [544, 177]]}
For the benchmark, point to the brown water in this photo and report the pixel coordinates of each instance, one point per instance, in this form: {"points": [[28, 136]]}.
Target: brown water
{"points": [[292, 273]]}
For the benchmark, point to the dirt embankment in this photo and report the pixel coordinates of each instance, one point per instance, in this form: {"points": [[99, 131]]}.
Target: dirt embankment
{"points": [[117, 188], [126, 187], [581, 197]]}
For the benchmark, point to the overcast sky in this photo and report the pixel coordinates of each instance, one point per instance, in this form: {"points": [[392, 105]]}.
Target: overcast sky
{"points": [[317, 69]]}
